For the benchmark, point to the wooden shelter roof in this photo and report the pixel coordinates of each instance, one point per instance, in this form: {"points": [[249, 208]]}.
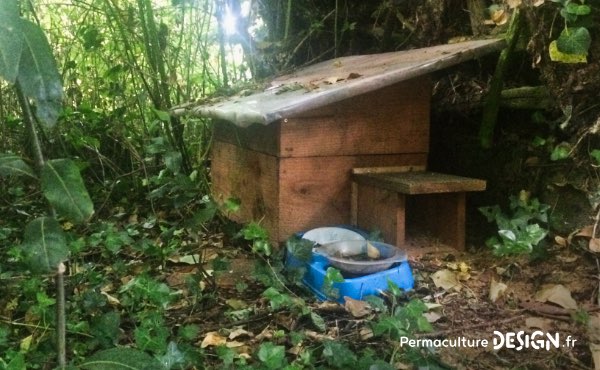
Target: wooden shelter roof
{"points": [[338, 79]]}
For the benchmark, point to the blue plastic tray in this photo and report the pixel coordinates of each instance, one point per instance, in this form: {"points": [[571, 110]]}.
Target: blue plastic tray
{"points": [[355, 287]]}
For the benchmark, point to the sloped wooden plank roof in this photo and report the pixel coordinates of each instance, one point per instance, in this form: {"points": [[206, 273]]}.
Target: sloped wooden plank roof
{"points": [[338, 79]]}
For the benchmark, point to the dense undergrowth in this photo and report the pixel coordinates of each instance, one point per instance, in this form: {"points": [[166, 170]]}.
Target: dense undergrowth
{"points": [[142, 175]]}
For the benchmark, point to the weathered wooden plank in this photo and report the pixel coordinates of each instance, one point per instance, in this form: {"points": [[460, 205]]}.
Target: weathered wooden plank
{"points": [[315, 191], [260, 138], [381, 210], [421, 182], [250, 176], [392, 120]]}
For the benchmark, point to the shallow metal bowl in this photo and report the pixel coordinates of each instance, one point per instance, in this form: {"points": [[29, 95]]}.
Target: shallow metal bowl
{"points": [[340, 255]]}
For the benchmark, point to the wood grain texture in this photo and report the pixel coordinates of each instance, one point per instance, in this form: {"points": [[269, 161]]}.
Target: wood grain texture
{"points": [[315, 191], [420, 182], [381, 210], [250, 176], [392, 120]]}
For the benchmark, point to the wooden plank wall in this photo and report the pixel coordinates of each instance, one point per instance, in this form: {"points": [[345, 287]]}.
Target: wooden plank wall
{"points": [[250, 176], [316, 191]]}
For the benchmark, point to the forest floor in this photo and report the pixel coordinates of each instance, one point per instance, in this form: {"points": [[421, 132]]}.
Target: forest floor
{"points": [[469, 295]]}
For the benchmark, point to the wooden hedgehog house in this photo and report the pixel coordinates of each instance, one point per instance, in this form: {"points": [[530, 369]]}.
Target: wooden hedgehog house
{"points": [[289, 152]]}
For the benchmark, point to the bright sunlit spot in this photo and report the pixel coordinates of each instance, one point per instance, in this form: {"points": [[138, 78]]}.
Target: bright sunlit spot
{"points": [[229, 22]]}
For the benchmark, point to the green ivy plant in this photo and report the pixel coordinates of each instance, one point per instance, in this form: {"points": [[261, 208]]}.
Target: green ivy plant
{"points": [[574, 41], [519, 232], [27, 62]]}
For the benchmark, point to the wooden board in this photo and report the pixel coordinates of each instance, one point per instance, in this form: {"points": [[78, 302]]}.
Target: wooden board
{"points": [[420, 182], [381, 210], [250, 176], [392, 120], [315, 191]]}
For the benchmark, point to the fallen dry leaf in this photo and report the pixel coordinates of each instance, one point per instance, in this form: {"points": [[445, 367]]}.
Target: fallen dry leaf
{"points": [[586, 231], [236, 304], [446, 280], [365, 333], [213, 339], [432, 316], [594, 245], [234, 344], [593, 328], [538, 2], [357, 308], [239, 333], [559, 240], [538, 323], [497, 289], [513, 3], [557, 294], [595, 349], [499, 17], [332, 80]]}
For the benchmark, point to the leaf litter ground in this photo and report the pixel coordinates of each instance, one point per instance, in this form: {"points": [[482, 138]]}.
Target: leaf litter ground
{"points": [[470, 296]]}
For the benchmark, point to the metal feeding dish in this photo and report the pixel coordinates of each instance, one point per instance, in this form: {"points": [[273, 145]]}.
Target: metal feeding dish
{"points": [[361, 257]]}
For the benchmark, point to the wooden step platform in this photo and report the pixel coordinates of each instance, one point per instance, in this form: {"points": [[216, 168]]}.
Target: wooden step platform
{"points": [[390, 199]]}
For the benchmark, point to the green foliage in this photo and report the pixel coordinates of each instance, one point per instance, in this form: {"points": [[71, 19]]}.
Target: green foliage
{"points": [[338, 355], [26, 59], [272, 356], [403, 321], [518, 232], [332, 276], [64, 189], [12, 165], [259, 237], [300, 248], [44, 245], [595, 154], [121, 359], [575, 39]]}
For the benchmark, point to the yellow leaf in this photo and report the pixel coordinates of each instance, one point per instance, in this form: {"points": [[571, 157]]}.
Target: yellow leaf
{"points": [[557, 56], [67, 226], [213, 339], [446, 280], [26, 343], [111, 300]]}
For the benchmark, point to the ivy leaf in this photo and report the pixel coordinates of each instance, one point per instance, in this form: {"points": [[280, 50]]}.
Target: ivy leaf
{"points": [[574, 40], [578, 9], [557, 56], [318, 321], [121, 359], [561, 151], [38, 75], [596, 155], [11, 40], [45, 245], [272, 356], [12, 165], [63, 187]]}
